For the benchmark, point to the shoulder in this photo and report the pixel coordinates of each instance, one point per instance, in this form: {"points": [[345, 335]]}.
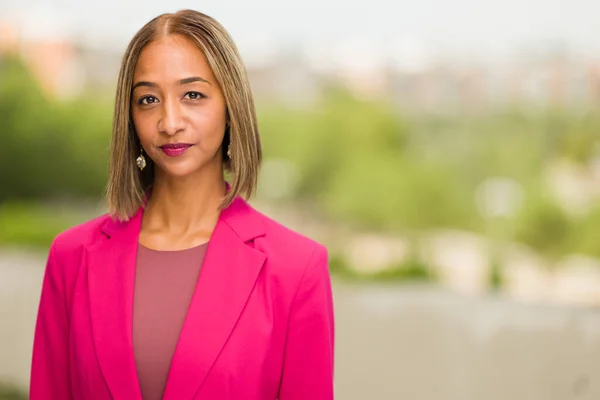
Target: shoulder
{"points": [[66, 252], [298, 264], [75, 238], [289, 249], [286, 238]]}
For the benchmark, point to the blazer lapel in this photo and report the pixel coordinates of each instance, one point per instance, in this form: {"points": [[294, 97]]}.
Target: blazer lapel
{"points": [[111, 274], [227, 277]]}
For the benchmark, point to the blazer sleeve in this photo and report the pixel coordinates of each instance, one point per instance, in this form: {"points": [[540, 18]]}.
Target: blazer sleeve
{"points": [[309, 354], [50, 360]]}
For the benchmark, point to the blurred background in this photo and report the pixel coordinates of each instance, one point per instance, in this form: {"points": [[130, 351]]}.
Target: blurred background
{"points": [[446, 152]]}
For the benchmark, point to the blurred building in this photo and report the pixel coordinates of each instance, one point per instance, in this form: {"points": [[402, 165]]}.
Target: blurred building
{"points": [[405, 71], [284, 78], [9, 37], [51, 59], [63, 67]]}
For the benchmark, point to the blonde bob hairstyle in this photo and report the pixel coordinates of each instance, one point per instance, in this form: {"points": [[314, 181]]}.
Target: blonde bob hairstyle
{"points": [[127, 185]]}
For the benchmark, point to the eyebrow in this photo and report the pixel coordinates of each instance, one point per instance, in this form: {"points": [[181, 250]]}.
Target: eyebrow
{"points": [[183, 81]]}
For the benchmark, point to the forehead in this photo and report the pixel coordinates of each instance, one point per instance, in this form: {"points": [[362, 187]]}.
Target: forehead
{"points": [[171, 57]]}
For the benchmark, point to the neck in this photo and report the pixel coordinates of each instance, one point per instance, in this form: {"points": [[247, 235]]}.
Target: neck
{"points": [[183, 206]]}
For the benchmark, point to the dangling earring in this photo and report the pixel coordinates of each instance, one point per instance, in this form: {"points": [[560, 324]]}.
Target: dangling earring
{"points": [[228, 132], [141, 160]]}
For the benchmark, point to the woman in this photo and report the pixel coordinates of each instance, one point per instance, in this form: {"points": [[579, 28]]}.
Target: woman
{"points": [[183, 291]]}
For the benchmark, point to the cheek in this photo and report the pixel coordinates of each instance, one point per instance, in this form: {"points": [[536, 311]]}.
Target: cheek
{"points": [[143, 126], [210, 124]]}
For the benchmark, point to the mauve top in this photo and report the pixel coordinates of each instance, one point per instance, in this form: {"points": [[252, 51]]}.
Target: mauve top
{"points": [[164, 285]]}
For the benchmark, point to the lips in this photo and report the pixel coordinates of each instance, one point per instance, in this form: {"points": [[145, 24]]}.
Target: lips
{"points": [[175, 149]]}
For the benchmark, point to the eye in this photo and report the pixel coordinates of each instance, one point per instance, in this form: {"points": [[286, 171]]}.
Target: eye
{"points": [[147, 100], [194, 95]]}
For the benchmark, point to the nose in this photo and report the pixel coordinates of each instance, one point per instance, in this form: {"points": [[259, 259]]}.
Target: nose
{"points": [[172, 119]]}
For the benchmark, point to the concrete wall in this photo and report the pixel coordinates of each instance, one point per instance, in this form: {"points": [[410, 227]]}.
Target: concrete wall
{"points": [[397, 342]]}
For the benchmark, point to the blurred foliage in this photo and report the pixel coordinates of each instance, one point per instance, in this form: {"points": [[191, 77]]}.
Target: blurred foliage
{"points": [[9, 392], [411, 270], [585, 237], [543, 225], [32, 224], [50, 149], [358, 160]]}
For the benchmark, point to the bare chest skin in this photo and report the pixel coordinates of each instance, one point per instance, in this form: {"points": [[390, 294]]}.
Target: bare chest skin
{"points": [[162, 238]]}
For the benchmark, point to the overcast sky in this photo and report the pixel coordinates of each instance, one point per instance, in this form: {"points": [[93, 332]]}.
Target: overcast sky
{"points": [[485, 26]]}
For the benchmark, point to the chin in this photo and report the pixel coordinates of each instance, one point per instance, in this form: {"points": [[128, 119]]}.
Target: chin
{"points": [[180, 171], [184, 169]]}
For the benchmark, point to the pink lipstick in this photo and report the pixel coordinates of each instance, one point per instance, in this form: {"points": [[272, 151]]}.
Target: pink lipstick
{"points": [[175, 149]]}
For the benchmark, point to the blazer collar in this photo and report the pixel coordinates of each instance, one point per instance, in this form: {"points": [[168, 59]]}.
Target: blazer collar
{"points": [[229, 272]]}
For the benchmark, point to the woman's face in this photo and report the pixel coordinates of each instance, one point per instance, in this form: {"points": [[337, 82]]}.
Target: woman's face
{"points": [[178, 108]]}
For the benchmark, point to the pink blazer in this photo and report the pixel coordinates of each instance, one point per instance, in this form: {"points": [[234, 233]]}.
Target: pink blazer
{"points": [[260, 324]]}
